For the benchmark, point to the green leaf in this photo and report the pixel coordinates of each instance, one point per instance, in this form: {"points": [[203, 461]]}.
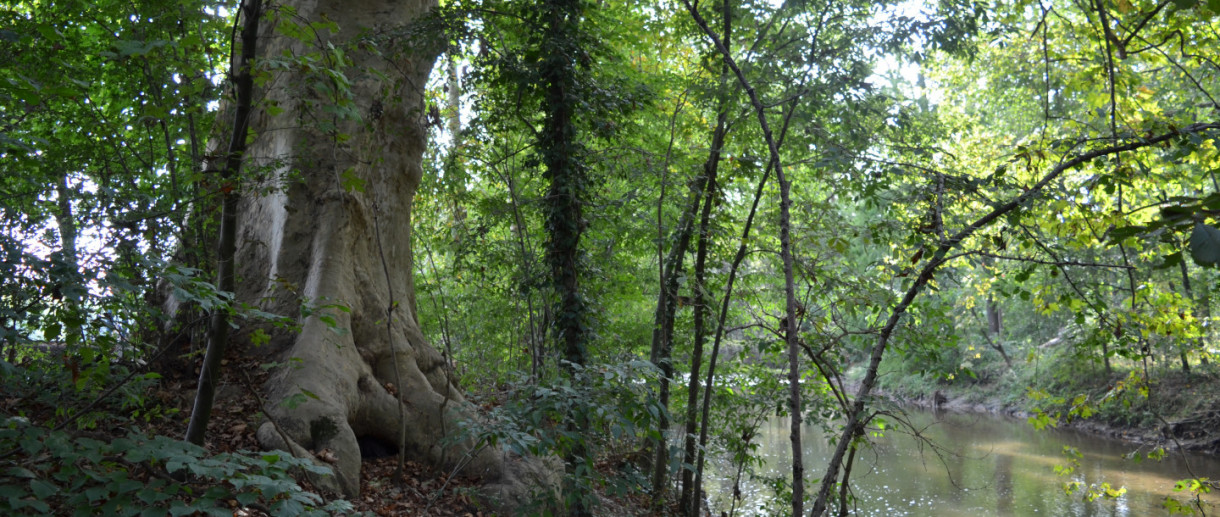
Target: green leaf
{"points": [[39, 506], [179, 508], [1118, 234], [20, 472], [1171, 260], [350, 181], [151, 496], [42, 490], [96, 494], [1205, 245], [245, 498], [12, 492]]}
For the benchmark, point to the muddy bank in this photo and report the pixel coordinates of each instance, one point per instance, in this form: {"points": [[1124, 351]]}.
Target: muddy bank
{"points": [[1197, 432]]}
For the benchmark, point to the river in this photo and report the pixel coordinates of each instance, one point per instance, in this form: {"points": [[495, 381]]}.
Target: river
{"points": [[972, 465]]}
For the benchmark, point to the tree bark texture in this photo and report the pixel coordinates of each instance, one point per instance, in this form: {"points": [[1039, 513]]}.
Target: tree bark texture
{"points": [[326, 237]]}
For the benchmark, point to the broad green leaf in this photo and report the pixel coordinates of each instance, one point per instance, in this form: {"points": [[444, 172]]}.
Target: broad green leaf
{"points": [[20, 472], [42, 489], [1205, 245], [1171, 260]]}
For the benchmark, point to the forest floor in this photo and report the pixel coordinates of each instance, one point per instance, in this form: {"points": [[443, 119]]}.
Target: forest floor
{"points": [[421, 490], [1172, 410]]}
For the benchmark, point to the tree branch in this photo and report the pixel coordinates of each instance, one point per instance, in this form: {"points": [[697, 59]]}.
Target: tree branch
{"points": [[870, 377]]}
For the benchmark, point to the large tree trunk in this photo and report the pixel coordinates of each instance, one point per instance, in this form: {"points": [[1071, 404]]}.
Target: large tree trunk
{"points": [[331, 226]]}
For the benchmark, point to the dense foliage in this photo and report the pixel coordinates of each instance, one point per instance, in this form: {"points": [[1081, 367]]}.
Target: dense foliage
{"points": [[1018, 195]]}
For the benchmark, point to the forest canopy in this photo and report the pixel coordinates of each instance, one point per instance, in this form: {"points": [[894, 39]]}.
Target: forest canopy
{"points": [[504, 235]]}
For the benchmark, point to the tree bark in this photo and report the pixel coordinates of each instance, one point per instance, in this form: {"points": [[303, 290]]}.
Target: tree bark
{"points": [[663, 324], [326, 238], [563, 158], [790, 332], [995, 329], [688, 489], [218, 331], [1203, 313], [1182, 355]]}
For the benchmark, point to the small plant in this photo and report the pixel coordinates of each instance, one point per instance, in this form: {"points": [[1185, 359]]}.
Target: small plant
{"points": [[535, 420], [44, 471]]}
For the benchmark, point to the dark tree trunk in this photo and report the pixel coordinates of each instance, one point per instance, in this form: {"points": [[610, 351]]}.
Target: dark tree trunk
{"points": [[1182, 355], [663, 326], [790, 332], [562, 156], [218, 331], [995, 329], [689, 491]]}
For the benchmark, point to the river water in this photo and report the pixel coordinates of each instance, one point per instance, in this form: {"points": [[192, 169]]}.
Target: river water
{"points": [[971, 465]]}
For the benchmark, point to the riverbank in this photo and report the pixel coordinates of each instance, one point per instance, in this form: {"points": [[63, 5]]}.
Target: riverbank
{"points": [[1173, 411]]}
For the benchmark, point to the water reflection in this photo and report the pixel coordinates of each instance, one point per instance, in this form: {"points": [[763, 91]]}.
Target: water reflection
{"points": [[969, 465]]}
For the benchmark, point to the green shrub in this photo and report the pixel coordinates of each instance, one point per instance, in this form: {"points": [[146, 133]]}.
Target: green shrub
{"points": [[44, 472]]}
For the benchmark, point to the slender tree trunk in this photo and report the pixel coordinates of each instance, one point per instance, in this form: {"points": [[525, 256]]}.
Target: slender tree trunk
{"points": [[70, 281], [535, 341], [688, 495], [706, 406], [1203, 312], [701, 313], [1190, 296], [854, 424], [663, 325], [790, 332], [218, 331], [453, 91], [67, 224], [734, 267], [995, 329], [700, 308], [851, 459], [994, 318]]}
